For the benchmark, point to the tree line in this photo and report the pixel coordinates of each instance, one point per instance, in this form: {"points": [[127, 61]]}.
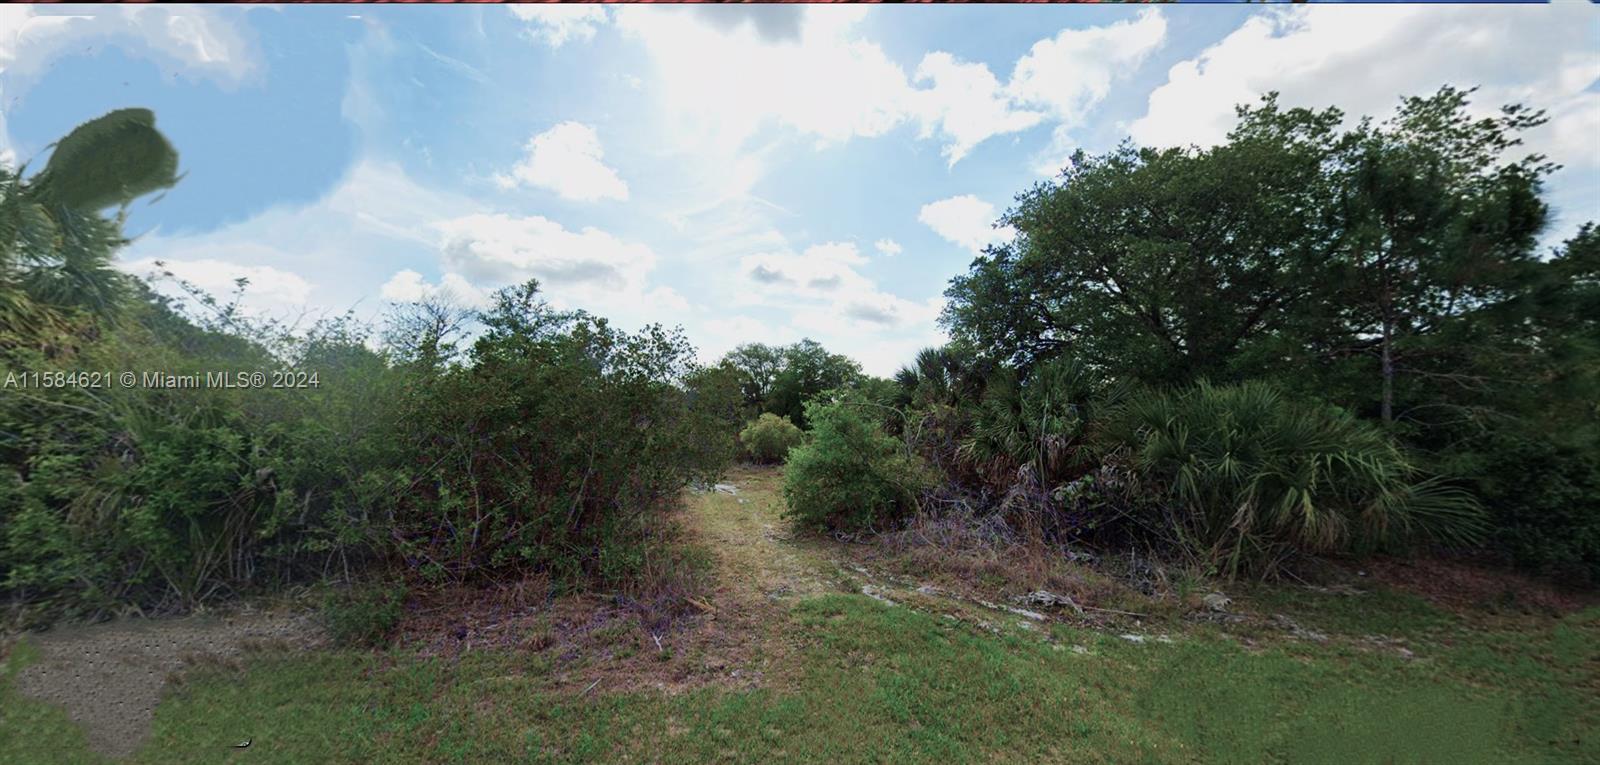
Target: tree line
{"points": [[1320, 337], [1318, 314]]}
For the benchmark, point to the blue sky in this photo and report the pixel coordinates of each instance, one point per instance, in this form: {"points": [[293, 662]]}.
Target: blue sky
{"points": [[750, 173]]}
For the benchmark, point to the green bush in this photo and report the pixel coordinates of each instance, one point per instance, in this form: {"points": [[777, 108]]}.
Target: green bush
{"points": [[365, 615], [1543, 500], [1246, 477], [852, 475], [769, 438]]}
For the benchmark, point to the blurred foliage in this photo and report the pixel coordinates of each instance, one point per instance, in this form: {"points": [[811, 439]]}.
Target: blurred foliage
{"points": [[365, 615], [553, 443], [781, 380]]}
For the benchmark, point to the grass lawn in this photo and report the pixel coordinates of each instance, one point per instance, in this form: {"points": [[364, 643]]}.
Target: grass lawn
{"points": [[887, 684], [872, 682]]}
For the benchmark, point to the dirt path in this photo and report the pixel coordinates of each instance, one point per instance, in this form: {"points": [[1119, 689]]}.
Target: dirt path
{"points": [[758, 554], [109, 677], [731, 632], [764, 568], [761, 570]]}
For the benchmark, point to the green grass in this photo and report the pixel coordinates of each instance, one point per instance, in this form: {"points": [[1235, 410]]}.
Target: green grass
{"points": [[883, 684]]}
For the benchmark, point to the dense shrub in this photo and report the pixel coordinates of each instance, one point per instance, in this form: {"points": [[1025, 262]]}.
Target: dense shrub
{"points": [[1246, 477], [551, 446], [781, 379], [554, 447], [1037, 423], [851, 475], [1543, 500], [169, 496], [769, 438]]}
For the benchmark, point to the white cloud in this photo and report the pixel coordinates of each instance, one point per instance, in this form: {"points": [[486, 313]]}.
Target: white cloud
{"points": [[666, 304], [888, 247], [822, 270], [408, 286], [270, 289], [965, 220], [724, 81], [558, 23], [346, 243], [1363, 59], [965, 104], [1573, 134], [823, 276], [1071, 73], [193, 41], [819, 271], [825, 80], [567, 159], [881, 331], [715, 337], [826, 297], [377, 232], [581, 269]]}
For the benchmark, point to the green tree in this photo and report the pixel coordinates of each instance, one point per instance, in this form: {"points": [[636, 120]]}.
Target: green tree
{"points": [[851, 475], [1438, 226], [1392, 266], [946, 376], [781, 379], [808, 370], [768, 438], [1163, 266], [757, 365]]}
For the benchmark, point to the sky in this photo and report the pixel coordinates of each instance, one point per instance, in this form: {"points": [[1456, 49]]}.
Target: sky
{"points": [[750, 173]]}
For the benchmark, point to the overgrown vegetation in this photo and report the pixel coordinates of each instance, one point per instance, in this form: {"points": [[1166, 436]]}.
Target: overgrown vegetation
{"points": [[551, 447], [879, 683], [552, 444], [364, 615], [1245, 477], [1320, 339], [1317, 338], [780, 380], [1309, 340]]}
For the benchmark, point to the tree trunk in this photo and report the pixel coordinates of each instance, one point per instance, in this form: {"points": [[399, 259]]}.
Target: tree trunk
{"points": [[1388, 373], [1386, 310]]}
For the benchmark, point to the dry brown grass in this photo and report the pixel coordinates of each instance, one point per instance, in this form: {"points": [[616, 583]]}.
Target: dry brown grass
{"points": [[1464, 586], [983, 558]]}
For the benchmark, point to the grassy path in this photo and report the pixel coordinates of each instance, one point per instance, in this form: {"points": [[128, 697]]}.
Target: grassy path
{"points": [[795, 664], [758, 556]]}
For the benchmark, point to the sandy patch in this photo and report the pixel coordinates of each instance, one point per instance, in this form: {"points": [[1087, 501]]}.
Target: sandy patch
{"points": [[109, 677]]}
